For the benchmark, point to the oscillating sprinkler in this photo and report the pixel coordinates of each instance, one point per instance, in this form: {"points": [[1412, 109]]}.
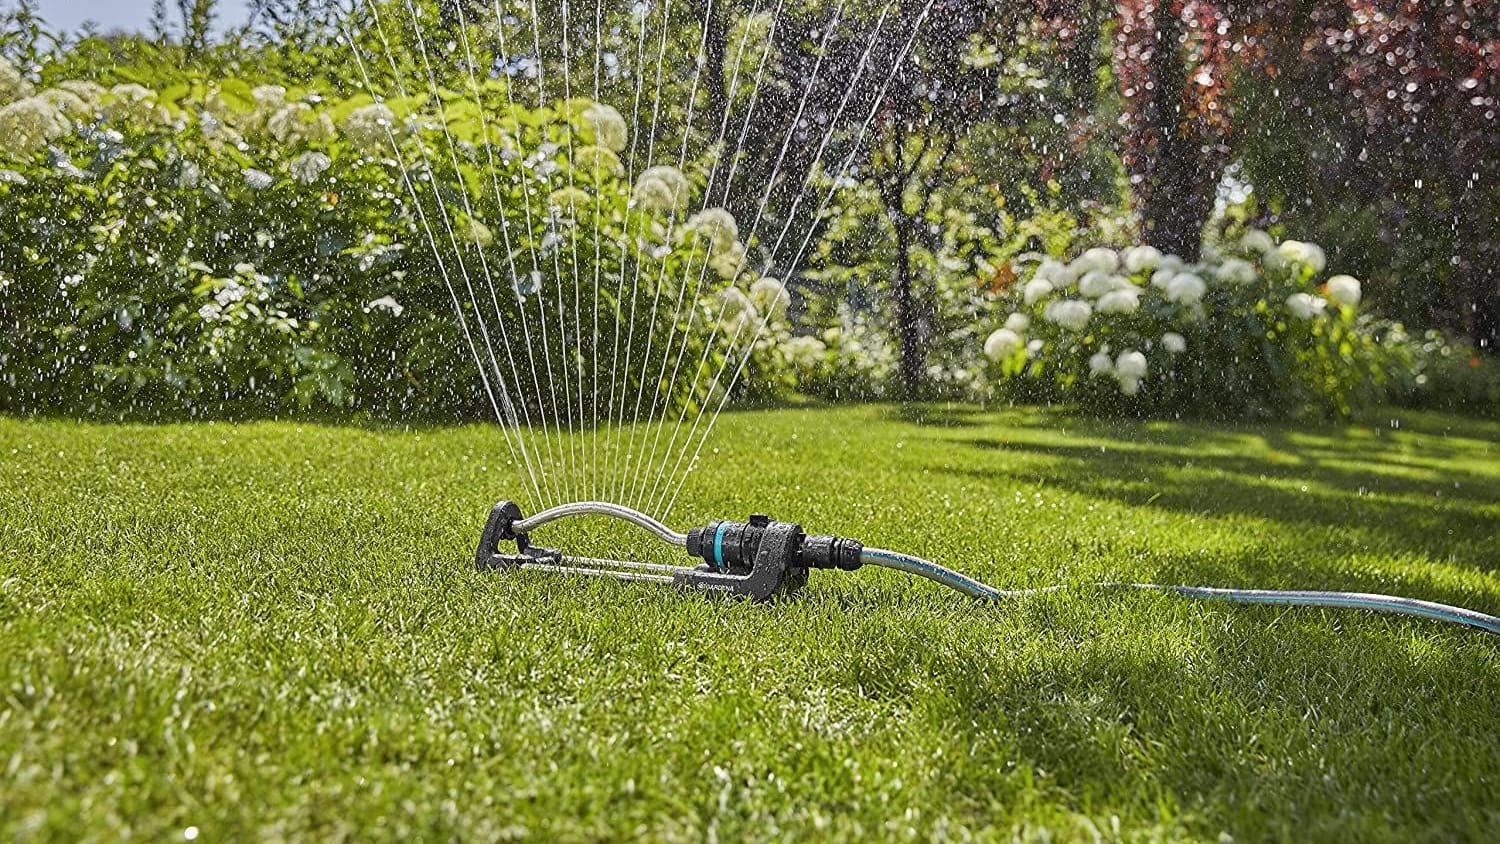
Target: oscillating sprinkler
{"points": [[761, 559]]}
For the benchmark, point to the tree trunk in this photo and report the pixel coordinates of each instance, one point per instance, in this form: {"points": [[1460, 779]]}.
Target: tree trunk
{"points": [[1478, 274], [1175, 195], [910, 367], [715, 47]]}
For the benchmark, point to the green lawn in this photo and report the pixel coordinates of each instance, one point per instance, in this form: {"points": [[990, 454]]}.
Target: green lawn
{"points": [[275, 630]]}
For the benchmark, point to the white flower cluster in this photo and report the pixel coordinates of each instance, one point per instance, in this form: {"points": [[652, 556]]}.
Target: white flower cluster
{"points": [[595, 161], [804, 353], [662, 188], [132, 103], [569, 200], [1101, 285], [608, 126], [769, 296], [13, 86], [29, 124], [307, 167], [716, 228], [370, 128], [737, 314], [297, 123]]}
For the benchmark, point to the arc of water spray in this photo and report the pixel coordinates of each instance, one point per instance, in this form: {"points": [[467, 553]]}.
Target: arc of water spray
{"points": [[760, 215], [702, 270], [594, 396], [442, 117], [636, 273], [807, 238], [611, 454], [504, 229], [851, 85], [656, 393], [443, 271], [671, 228]]}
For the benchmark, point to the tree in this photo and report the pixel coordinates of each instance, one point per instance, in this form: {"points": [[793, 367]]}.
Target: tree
{"points": [[1377, 129]]}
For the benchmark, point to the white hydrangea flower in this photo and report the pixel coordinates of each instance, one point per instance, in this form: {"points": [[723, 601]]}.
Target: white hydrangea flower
{"points": [[1036, 289], [1096, 283], [1097, 258], [1171, 262], [770, 296], [1186, 289], [1125, 300], [1130, 370], [28, 125], [13, 86], [1100, 363], [717, 225], [1072, 314], [1060, 274], [189, 175], [1302, 253], [1018, 323], [132, 103], [66, 102], [1344, 289], [298, 122], [609, 127], [1174, 342], [1256, 242], [570, 199], [1002, 343], [92, 93], [595, 160], [804, 353], [1142, 258], [386, 303], [307, 167], [269, 97], [1162, 277], [728, 262], [1131, 364], [737, 314], [257, 179], [369, 128], [662, 188], [1306, 305], [1235, 271]]}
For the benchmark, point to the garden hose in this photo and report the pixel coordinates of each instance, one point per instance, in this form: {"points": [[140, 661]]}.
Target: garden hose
{"points": [[760, 558]]}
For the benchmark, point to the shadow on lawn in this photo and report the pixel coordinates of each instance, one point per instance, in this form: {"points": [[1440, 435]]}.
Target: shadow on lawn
{"points": [[1108, 720], [1367, 488]]}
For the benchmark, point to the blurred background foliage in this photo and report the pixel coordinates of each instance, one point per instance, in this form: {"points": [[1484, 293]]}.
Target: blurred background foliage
{"points": [[1013, 132]]}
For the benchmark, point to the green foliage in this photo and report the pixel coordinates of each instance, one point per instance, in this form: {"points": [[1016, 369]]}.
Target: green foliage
{"points": [[221, 248]]}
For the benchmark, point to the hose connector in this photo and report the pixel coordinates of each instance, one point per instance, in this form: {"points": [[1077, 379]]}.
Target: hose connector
{"points": [[729, 546]]}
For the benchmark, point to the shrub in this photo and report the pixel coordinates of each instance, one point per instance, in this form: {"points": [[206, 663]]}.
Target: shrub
{"points": [[1255, 329], [225, 249]]}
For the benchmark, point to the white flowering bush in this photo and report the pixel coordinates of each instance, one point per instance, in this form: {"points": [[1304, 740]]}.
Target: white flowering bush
{"points": [[225, 247], [1253, 329]]}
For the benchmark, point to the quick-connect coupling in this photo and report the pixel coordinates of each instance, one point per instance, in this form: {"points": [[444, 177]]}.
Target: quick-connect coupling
{"points": [[728, 546]]}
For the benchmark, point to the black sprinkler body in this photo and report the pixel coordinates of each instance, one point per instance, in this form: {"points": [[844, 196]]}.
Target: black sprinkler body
{"points": [[758, 558]]}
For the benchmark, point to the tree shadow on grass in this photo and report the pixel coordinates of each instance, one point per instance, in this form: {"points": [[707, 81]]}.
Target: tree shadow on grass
{"points": [[1228, 713], [1237, 723], [1419, 495]]}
